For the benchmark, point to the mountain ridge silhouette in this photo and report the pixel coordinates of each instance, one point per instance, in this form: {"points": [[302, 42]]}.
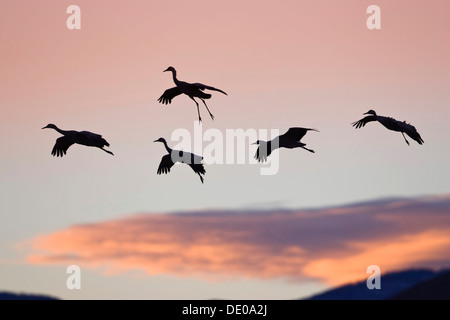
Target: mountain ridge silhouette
{"points": [[4, 295], [394, 285]]}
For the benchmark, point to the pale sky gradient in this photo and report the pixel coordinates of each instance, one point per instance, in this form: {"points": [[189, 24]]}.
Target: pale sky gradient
{"points": [[289, 63]]}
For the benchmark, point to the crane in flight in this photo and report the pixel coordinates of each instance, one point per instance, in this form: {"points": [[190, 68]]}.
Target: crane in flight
{"points": [[192, 90], [391, 124], [174, 156], [71, 137], [290, 140]]}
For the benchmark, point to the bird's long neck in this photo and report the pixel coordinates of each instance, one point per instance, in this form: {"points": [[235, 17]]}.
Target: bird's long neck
{"points": [[167, 147], [174, 76], [63, 132]]}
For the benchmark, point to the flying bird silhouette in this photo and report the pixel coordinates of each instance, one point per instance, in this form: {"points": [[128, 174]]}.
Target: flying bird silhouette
{"points": [[173, 156], [391, 124], [190, 89], [84, 138], [290, 140]]}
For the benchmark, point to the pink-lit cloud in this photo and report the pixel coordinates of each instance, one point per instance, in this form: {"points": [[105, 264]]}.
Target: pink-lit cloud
{"points": [[335, 245]]}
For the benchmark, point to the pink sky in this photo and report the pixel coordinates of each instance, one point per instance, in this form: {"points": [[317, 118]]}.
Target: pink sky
{"points": [[246, 47], [289, 63]]}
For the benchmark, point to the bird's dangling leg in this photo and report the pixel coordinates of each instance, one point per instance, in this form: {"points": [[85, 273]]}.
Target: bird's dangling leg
{"points": [[210, 114], [107, 151], [198, 110], [308, 149], [407, 142]]}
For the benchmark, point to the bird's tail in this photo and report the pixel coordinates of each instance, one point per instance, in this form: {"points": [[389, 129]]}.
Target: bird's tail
{"points": [[204, 95], [105, 143], [415, 136], [201, 178]]}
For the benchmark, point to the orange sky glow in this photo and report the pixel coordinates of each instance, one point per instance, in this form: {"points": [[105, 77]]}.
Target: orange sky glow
{"points": [[268, 244]]}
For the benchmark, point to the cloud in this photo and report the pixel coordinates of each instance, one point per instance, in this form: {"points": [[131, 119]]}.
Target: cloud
{"points": [[335, 244]]}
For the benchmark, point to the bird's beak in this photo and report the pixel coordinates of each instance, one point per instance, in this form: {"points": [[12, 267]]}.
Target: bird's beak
{"points": [[166, 70], [254, 143], [156, 141], [44, 127]]}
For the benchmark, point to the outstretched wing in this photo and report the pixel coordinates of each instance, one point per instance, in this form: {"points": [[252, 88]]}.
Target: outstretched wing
{"points": [[411, 131], [191, 158], [169, 94], [203, 87], [361, 123], [296, 133], [165, 164], [91, 139], [185, 157], [61, 146], [263, 151], [90, 135], [198, 169]]}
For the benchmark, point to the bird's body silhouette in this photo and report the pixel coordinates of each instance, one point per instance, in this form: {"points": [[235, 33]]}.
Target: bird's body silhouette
{"points": [[174, 156], [391, 124], [71, 137], [290, 140], [192, 90]]}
